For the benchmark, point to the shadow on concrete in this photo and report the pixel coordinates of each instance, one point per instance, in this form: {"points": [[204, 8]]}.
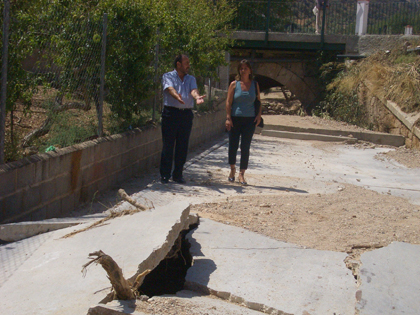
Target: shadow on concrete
{"points": [[281, 189], [201, 268]]}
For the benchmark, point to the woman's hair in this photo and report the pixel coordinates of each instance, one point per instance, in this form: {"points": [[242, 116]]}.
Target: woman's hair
{"points": [[248, 64]]}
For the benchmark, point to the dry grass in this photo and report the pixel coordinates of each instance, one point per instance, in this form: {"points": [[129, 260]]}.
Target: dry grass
{"points": [[391, 75]]}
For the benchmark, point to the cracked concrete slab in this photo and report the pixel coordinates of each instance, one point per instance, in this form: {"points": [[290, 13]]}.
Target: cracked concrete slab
{"points": [[13, 232], [387, 285], [268, 275], [276, 165], [49, 280]]}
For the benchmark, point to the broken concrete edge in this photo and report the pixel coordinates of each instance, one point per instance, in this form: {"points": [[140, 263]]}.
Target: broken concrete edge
{"points": [[159, 254], [409, 120], [122, 307], [227, 296], [14, 232]]}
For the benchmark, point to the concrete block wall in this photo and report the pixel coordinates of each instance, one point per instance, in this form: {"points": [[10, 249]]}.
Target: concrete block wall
{"points": [[52, 184]]}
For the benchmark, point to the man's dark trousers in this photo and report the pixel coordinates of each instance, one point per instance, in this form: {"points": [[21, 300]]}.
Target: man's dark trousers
{"points": [[176, 130]]}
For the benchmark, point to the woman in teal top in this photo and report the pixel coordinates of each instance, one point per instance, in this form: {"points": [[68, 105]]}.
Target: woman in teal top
{"points": [[241, 119]]}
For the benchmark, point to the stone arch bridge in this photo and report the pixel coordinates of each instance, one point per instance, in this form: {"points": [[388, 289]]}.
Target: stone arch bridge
{"points": [[298, 75], [291, 60], [288, 60]]}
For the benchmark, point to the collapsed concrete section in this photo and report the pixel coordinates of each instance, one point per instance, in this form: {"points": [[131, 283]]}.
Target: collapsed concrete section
{"points": [[50, 281], [267, 275]]}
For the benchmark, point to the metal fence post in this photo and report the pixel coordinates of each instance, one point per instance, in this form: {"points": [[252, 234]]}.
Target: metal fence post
{"points": [[102, 88], [5, 52], [156, 83], [267, 26], [324, 14]]}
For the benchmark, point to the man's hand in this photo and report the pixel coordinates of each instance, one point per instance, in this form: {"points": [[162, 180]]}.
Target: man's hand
{"points": [[198, 98], [175, 95], [179, 98]]}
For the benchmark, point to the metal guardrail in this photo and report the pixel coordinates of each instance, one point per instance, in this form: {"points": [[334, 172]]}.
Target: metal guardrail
{"points": [[297, 16]]}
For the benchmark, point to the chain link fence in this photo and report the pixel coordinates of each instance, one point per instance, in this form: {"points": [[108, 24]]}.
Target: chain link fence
{"points": [[54, 69], [65, 70], [68, 71]]}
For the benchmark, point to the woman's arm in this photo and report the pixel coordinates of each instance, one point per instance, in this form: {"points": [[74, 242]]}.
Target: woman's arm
{"points": [[229, 101], [258, 117]]}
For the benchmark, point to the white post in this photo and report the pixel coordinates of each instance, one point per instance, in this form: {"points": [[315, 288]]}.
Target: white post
{"points": [[408, 30], [362, 16]]}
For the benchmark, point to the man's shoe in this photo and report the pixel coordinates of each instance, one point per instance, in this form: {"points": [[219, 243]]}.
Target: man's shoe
{"points": [[180, 180], [164, 180]]}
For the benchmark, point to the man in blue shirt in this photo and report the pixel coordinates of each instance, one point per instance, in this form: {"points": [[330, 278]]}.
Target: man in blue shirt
{"points": [[179, 92]]}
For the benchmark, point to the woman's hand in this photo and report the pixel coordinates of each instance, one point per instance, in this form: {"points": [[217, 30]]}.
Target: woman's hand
{"points": [[229, 124], [257, 120]]}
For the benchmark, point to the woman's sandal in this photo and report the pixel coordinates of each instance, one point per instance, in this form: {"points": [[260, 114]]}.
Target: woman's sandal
{"points": [[243, 182], [232, 179]]}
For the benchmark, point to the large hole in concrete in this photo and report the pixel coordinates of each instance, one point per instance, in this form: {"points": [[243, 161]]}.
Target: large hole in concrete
{"points": [[169, 276]]}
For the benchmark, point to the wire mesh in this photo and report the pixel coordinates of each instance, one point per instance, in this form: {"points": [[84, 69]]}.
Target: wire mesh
{"points": [[66, 63], [54, 66]]}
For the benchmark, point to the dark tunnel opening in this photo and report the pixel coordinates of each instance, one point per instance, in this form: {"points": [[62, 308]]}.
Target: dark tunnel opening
{"points": [[169, 276]]}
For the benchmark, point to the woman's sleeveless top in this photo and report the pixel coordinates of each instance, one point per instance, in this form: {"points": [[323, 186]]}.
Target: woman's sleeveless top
{"points": [[243, 101]]}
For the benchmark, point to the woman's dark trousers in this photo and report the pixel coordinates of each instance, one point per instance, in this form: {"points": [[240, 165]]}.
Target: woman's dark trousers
{"points": [[243, 130]]}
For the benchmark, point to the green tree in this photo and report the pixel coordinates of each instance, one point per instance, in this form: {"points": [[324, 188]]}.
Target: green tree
{"points": [[67, 34], [200, 28]]}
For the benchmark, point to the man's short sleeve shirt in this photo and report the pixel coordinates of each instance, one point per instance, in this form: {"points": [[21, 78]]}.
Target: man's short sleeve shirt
{"points": [[172, 79]]}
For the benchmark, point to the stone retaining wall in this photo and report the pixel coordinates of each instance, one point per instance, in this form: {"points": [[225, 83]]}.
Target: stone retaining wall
{"points": [[386, 116], [52, 184]]}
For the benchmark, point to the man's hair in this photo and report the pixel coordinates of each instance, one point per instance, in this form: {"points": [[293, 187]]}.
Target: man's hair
{"points": [[179, 58], [248, 64]]}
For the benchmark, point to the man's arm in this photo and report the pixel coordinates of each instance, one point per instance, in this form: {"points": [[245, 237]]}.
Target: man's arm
{"points": [[198, 98], [175, 94]]}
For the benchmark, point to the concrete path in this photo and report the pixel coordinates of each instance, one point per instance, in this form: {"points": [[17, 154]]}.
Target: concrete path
{"points": [[42, 274], [268, 275], [390, 281]]}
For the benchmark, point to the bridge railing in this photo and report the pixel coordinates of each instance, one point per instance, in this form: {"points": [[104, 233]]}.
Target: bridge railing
{"points": [[297, 16]]}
